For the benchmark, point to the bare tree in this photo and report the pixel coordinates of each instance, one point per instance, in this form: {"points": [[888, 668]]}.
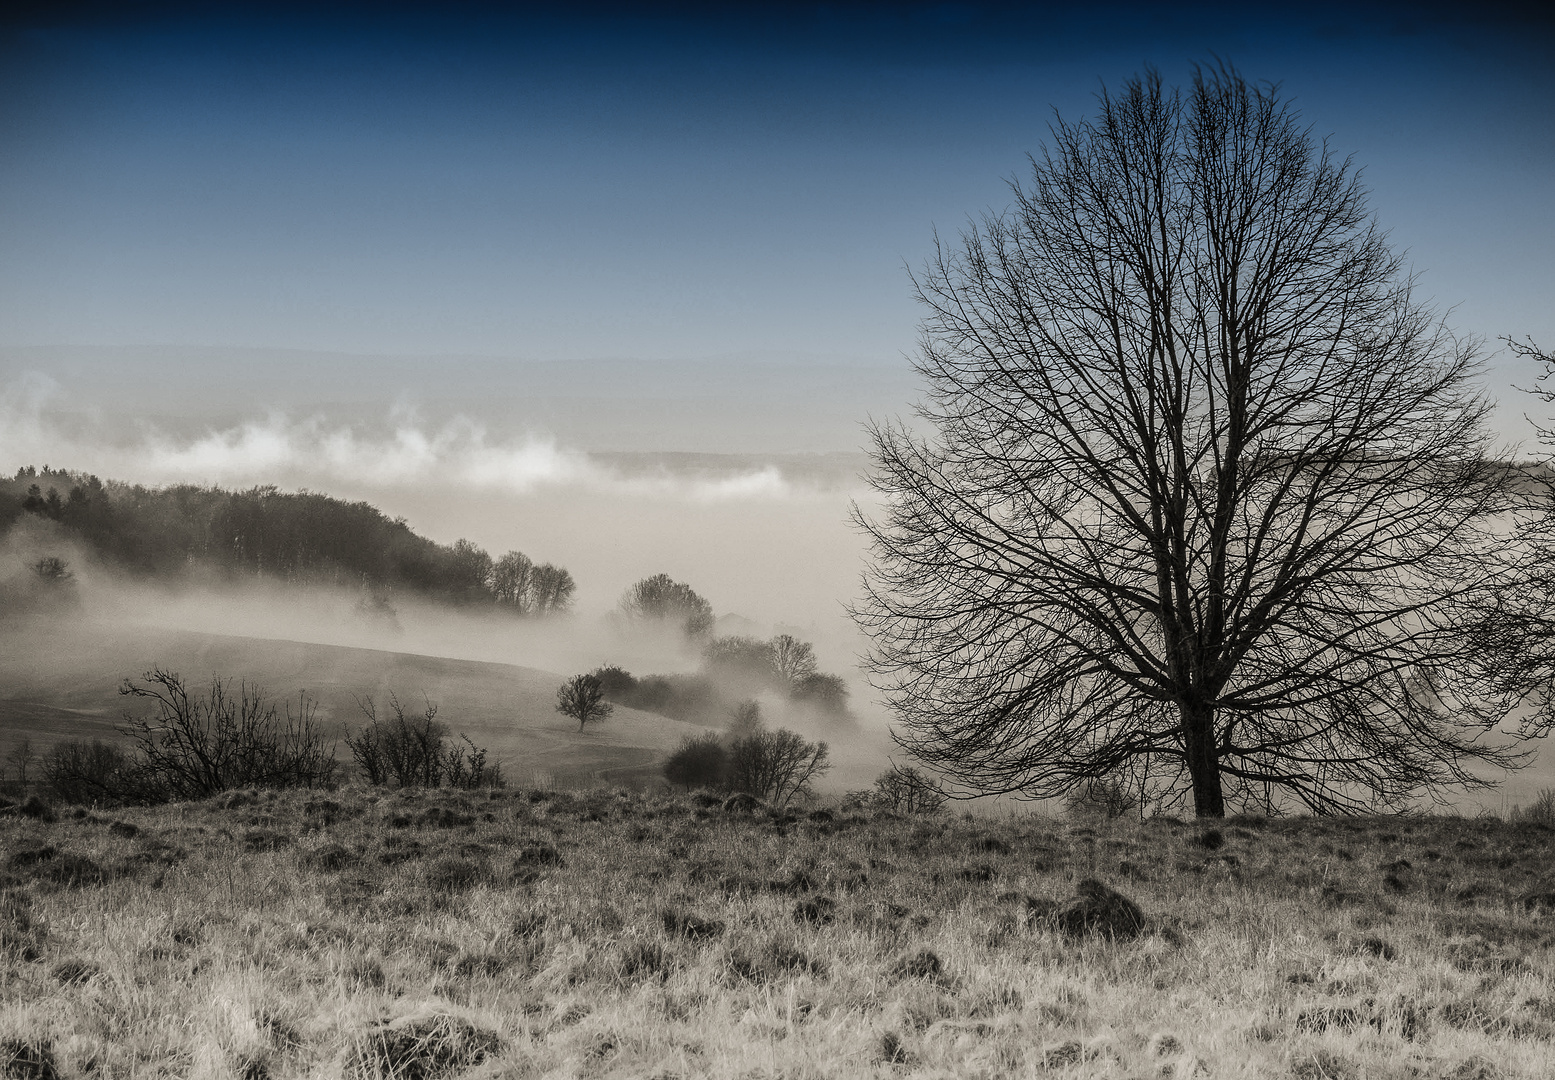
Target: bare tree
{"points": [[793, 660], [660, 598], [745, 718], [471, 568], [1204, 495], [511, 580], [518, 583], [551, 589], [1524, 622], [1528, 349], [582, 697]]}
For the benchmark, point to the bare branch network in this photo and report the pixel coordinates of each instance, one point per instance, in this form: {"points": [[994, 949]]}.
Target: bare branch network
{"points": [[1205, 500]]}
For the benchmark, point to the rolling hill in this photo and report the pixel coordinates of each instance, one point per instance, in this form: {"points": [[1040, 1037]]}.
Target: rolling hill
{"points": [[60, 680]]}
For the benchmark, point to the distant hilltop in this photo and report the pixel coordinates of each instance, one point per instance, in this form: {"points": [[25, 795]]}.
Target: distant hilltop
{"points": [[301, 537]]}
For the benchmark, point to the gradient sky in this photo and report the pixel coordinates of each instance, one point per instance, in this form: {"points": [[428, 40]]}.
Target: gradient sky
{"points": [[666, 182]]}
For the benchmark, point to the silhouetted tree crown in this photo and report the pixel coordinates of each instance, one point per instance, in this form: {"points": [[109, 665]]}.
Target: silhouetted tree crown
{"points": [[582, 697], [662, 599], [1204, 501]]}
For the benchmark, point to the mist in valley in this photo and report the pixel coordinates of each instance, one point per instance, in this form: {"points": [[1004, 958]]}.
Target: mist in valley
{"points": [[766, 538]]}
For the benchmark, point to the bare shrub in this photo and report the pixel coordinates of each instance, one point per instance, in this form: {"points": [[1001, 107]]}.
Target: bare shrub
{"points": [[1107, 797], [902, 789], [775, 765], [194, 747], [84, 773], [1541, 810], [466, 766], [411, 751]]}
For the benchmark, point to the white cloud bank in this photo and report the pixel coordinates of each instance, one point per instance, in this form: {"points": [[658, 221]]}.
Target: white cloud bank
{"points": [[315, 452]]}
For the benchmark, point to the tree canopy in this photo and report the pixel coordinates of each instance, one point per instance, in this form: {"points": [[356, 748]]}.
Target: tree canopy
{"points": [[662, 599], [301, 536]]}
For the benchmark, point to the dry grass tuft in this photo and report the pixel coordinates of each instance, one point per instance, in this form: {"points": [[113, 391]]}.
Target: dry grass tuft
{"points": [[421, 1048]]}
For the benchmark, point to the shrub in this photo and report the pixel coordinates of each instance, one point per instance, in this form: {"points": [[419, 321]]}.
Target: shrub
{"points": [[775, 765], [742, 659], [827, 693], [699, 761], [615, 681], [1541, 810], [466, 766], [417, 751], [784, 664], [902, 789], [1108, 797], [81, 772], [195, 747]]}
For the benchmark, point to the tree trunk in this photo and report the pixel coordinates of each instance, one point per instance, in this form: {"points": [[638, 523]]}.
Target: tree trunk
{"points": [[1203, 765]]}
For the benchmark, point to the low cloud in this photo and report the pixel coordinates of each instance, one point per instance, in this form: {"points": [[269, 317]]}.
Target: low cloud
{"points": [[402, 452]]}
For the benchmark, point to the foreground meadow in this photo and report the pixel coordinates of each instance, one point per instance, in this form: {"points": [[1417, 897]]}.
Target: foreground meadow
{"points": [[432, 934]]}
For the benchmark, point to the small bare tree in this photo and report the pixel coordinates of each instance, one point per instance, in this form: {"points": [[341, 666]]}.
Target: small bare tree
{"points": [[1207, 490], [745, 718], [20, 757], [582, 697]]}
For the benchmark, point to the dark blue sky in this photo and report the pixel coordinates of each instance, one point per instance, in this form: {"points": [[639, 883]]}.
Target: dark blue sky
{"points": [[671, 182]]}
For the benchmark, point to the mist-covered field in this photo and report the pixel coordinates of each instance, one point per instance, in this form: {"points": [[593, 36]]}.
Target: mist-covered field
{"points": [[60, 681]]}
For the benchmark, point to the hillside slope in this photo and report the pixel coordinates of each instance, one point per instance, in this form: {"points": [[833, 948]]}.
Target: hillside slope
{"points": [[61, 681]]}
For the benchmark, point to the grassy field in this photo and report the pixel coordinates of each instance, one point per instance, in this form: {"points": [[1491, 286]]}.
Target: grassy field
{"points": [[422, 935]]}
